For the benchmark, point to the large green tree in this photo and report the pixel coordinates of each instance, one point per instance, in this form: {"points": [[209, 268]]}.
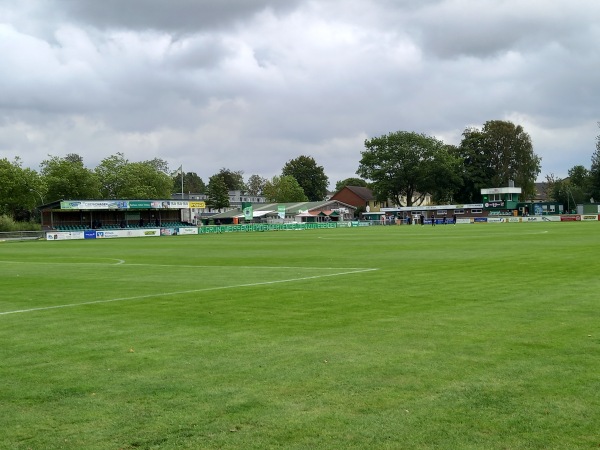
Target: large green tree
{"points": [[121, 179], [21, 190], [234, 180], [255, 185], [217, 193], [310, 176], [565, 192], [352, 181], [494, 155], [284, 189], [408, 165], [192, 183], [67, 178]]}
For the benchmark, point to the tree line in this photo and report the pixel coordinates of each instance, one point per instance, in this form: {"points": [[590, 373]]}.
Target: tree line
{"points": [[401, 166], [63, 178]]}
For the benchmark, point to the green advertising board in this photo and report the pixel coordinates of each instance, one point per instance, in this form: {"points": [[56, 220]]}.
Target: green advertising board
{"points": [[140, 204], [248, 211]]}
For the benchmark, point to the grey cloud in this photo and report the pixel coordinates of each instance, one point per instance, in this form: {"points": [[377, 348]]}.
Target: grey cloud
{"points": [[175, 16], [251, 85]]}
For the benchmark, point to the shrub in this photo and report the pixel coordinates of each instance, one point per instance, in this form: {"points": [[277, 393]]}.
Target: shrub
{"points": [[8, 224]]}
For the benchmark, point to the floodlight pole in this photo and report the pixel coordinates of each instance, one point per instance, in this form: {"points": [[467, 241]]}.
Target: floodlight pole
{"points": [[37, 192]]}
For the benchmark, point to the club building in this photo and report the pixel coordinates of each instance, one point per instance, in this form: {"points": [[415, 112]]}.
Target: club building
{"points": [[497, 203]]}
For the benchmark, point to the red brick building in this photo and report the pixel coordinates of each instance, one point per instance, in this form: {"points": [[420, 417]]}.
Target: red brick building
{"points": [[358, 196]]}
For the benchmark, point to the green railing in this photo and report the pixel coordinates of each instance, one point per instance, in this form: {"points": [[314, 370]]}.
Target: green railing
{"points": [[269, 227]]}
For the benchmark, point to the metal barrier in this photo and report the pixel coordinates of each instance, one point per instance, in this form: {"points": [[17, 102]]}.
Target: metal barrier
{"points": [[21, 235]]}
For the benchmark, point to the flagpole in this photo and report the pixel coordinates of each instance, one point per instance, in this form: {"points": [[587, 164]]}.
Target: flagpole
{"points": [[181, 172]]}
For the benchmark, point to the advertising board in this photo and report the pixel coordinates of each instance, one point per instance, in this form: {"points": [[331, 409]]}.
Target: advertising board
{"points": [[63, 235], [187, 230]]}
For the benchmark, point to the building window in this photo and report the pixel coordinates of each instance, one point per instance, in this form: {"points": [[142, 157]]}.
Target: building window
{"points": [[441, 212], [476, 211], [459, 211]]}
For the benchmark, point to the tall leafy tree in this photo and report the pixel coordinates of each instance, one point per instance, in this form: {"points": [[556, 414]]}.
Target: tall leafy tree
{"points": [[255, 185], [410, 165], [121, 179], [553, 187], [111, 174], [74, 158], [579, 183], [67, 178], [147, 180], [217, 193], [310, 176], [21, 190], [564, 192], [233, 180], [284, 189], [501, 151], [352, 181], [191, 183], [475, 169]]}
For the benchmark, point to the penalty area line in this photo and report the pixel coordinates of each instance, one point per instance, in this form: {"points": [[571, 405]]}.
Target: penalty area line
{"points": [[191, 291]]}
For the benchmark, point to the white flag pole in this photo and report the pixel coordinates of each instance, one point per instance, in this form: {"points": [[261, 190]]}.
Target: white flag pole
{"points": [[181, 173]]}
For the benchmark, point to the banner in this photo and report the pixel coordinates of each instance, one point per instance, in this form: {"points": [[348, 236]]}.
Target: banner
{"points": [[140, 204], [187, 230], [248, 211], [63, 235], [140, 232], [129, 204], [572, 218], [281, 211], [107, 204]]}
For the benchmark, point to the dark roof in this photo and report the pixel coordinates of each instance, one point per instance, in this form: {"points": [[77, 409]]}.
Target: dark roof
{"points": [[541, 191], [363, 192]]}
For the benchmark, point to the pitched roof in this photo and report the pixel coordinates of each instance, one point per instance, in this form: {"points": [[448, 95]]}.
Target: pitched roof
{"points": [[541, 191], [363, 192], [291, 208]]}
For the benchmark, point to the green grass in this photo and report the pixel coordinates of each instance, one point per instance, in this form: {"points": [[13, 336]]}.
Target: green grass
{"points": [[464, 337]]}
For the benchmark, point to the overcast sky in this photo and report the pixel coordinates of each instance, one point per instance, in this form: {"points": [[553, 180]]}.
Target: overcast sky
{"points": [[251, 84]]}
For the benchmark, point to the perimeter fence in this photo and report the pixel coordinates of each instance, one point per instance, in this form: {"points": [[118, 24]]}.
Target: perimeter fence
{"points": [[21, 235]]}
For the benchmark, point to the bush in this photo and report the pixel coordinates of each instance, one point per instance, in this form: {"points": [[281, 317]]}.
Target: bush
{"points": [[8, 224]]}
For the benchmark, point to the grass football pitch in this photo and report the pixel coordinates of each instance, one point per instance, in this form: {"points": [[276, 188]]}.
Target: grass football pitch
{"points": [[399, 337]]}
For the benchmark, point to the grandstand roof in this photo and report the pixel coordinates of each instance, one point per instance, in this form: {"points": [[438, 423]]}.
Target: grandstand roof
{"points": [[291, 208]]}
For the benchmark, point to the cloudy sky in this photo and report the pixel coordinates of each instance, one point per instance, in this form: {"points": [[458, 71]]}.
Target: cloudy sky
{"points": [[251, 84]]}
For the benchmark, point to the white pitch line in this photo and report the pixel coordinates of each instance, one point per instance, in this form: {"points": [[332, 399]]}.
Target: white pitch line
{"points": [[165, 294], [187, 266]]}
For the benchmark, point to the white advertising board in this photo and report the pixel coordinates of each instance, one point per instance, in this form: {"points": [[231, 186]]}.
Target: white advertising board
{"points": [[187, 230], [63, 235]]}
